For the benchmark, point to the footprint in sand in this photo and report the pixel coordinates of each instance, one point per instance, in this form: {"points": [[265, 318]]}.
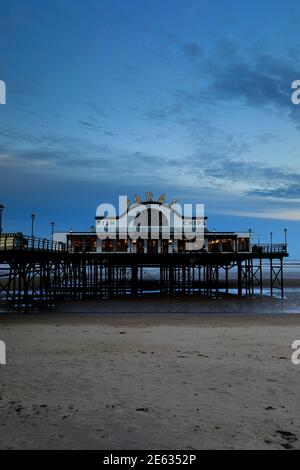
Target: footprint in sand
{"points": [[289, 438]]}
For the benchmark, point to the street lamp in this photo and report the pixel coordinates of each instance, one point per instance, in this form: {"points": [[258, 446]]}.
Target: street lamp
{"points": [[258, 239], [32, 225], [52, 231], [285, 236], [250, 237], [271, 238], [1, 210]]}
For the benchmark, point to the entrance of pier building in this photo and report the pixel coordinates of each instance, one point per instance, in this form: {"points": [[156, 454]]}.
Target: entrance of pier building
{"points": [[152, 246]]}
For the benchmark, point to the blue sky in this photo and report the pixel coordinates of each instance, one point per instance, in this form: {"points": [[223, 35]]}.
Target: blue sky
{"points": [[188, 98]]}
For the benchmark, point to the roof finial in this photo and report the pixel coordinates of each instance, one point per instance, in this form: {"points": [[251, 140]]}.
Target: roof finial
{"points": [[149, 196]]}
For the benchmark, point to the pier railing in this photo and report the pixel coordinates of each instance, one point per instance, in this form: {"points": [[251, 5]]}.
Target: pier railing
{"points": [[274, 248], [18, 241]]}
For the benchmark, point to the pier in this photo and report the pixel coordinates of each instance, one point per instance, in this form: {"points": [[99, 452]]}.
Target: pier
{"points": [[36, 272]]}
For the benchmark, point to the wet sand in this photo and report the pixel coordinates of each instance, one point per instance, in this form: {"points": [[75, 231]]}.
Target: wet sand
{"points": [[149, 381]]}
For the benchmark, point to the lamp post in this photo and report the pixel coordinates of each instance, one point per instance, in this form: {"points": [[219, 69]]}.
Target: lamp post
{"points": [[32, 225], [258, 239], [285, 236], [250, 237], [1, 210], [271, 239], [52, 231]]}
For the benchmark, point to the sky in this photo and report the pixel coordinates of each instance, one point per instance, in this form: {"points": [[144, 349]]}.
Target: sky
{"points": [[116, 97]]}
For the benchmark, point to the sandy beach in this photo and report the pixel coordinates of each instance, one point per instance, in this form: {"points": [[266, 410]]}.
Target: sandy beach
{"points": [[149, 381]]}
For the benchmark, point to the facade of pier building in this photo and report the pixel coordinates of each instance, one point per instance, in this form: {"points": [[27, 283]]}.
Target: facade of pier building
{"points": [[153, 227]]}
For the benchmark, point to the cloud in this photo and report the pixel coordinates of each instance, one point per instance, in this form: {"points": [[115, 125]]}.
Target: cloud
{"points": [[89, 125], [246, 80], [110, 134], [76, 158], [258, 84], [192, 50], [287, 191], [262, 82], [245, 171], [230, 75]]}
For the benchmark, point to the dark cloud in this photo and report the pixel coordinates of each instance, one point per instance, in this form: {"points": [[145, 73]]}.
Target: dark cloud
{"points": [[283, 192], [253, 84], [89, 125], [110, 133], [192, 50], [245, 171], [230, 75], [72, 159]]}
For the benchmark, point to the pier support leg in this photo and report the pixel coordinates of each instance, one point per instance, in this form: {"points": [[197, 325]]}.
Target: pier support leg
{"points": [[134, 280], [281, 278], [239, 280]]}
